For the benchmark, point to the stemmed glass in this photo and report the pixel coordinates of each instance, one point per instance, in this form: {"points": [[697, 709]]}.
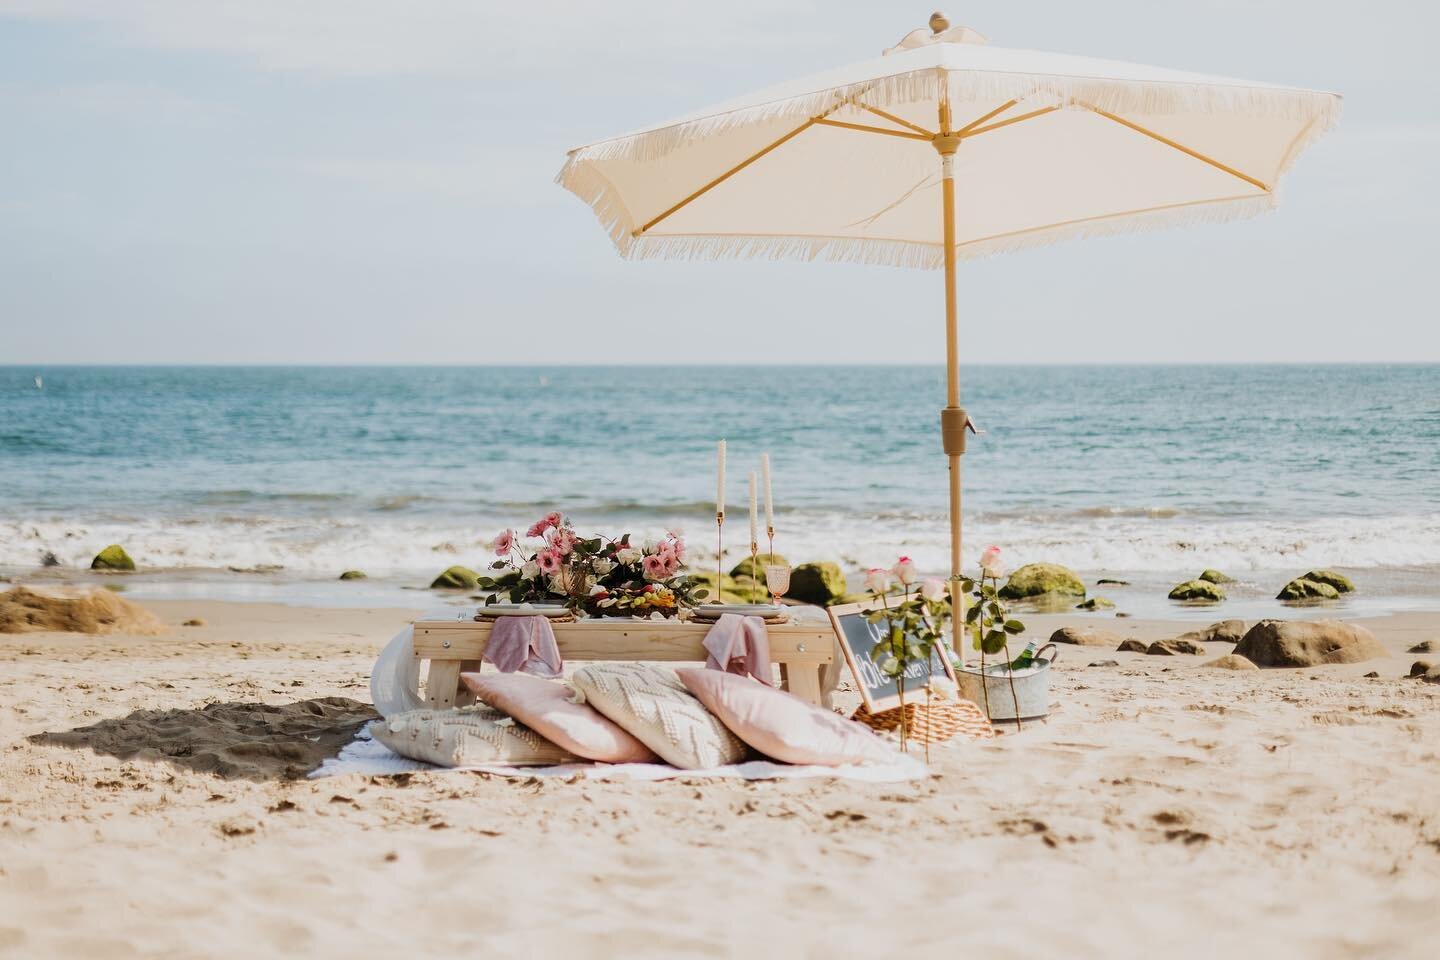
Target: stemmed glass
{"points": [[777, 579]]}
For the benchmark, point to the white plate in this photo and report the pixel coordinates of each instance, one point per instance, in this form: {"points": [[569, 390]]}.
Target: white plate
{"points": [[743, 609], [524, 610]]}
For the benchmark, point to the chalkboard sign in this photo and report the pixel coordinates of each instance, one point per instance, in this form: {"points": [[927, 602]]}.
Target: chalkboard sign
{"points": [[858, 637]]}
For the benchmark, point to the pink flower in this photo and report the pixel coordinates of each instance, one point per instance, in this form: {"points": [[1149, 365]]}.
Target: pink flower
{"points": [[545, 523], [672, 567], [562, 540], [548, 561], [877, 580], [904, 571], [654, 566], [990, 565], [679, 545], [503, 543], [665, 550]]}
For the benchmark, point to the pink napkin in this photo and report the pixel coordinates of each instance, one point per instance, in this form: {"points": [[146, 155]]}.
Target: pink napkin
{"points": [[526, 644], [740, 645]]}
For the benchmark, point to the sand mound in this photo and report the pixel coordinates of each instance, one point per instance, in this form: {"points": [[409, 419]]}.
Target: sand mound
{"points": [[236, 741], [101, 611]]}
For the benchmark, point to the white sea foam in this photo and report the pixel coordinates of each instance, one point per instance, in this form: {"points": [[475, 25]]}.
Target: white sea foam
{"points": [[391, 546]]}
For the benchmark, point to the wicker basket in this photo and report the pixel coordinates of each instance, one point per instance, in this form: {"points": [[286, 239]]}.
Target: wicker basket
{"points": [[942, 720]]}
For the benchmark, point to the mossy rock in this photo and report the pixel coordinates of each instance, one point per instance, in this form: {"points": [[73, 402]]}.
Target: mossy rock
{"points": [[1339, 581], [1197, 590], [353, 575], [1302, 588], [112, 557], [1095, 603], [1036, 579], [731, 589], [755, 570], [1215, 576], [456, 578], [822, 584]]}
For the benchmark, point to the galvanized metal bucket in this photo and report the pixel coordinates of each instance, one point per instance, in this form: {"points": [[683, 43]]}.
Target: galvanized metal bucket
{"points": [[992, 691]]}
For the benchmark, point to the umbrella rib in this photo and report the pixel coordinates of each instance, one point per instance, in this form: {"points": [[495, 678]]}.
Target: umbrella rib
{"points": [[1179, 146], [865, 128], [733, 170], [979, 120], [976, 131], [929, 135]]}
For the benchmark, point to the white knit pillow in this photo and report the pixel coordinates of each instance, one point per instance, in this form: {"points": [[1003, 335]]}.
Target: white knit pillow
{"points": [[653, 706], [466, 737]]}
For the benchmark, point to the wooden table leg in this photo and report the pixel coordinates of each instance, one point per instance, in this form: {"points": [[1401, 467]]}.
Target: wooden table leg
{"points": [[803, 680], [442, 684], [463, 695]]}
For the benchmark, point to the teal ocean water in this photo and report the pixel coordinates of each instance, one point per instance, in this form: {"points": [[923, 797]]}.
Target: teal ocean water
{"points": [[1264, 471]]}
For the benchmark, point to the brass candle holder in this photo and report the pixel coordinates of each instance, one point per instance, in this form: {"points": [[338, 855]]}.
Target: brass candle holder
{"points": [[719, 552]]}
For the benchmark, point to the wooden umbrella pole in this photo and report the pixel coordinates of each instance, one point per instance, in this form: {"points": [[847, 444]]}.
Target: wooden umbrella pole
{"points": [[952, 417]]}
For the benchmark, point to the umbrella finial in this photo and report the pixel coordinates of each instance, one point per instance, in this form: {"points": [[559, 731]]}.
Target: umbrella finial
{"points": [[938, 23]]}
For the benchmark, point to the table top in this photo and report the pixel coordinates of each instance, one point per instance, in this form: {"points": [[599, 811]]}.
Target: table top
{"points": [[802, 619]]}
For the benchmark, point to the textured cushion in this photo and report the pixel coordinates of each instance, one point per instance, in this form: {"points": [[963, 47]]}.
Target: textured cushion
{"points": [[783, 726], [466, 737], [545, 706], [654, 706]]}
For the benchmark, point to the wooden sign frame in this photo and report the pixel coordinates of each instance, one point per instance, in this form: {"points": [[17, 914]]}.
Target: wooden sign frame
{"points": [[873, 704]]}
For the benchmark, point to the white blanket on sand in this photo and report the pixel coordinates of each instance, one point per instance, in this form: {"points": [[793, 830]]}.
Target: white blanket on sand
{"points": [[394, 688], [365, 755]]}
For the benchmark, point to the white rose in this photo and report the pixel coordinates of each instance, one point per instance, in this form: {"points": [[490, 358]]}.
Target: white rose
{"points": [[904, 571], [603, 566], [628, 555], [530, 571], [933, 588], [877, 580], [990, 564]]}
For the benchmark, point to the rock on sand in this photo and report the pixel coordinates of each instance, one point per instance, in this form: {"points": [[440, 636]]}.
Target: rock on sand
{"points": [[1086, 637], [1131, 646], [1038, 579], [1230, 661], [1300, 643], [100, 611], [1197, 590], [1224, 631], [1171, 648]]}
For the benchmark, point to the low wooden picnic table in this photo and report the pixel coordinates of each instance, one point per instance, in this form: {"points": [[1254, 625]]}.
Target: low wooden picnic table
{"points": [[454, 642]]}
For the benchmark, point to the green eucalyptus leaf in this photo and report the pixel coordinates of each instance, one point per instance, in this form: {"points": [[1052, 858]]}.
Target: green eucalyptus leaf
{"points": [[1014, 626]]}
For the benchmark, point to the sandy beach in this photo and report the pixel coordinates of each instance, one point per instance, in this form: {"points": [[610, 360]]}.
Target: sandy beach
{"points": [[152, 804]]}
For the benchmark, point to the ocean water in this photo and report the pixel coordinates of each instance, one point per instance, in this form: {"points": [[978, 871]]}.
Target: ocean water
{"points": [[1151, 471]]}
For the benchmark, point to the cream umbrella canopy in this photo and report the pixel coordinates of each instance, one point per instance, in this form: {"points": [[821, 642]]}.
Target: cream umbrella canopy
{"points": [[944, 149]]}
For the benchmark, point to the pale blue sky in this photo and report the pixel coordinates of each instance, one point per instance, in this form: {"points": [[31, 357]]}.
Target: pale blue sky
{"points": [[302, 181]]}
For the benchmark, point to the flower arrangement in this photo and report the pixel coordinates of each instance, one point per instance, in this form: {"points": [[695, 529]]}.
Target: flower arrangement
{"points": [[988, 620], [596, 576], [915, 626]]}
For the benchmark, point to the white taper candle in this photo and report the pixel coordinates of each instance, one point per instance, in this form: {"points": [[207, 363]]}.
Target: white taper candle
{"points": [[769, 497], [754, 514], [720, 481]]}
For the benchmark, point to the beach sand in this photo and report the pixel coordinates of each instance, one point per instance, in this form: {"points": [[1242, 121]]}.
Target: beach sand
{"points": [[150, 806]]}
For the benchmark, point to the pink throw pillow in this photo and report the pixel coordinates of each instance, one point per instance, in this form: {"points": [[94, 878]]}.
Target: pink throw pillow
{"points": [[781, 725], [544, 706]]}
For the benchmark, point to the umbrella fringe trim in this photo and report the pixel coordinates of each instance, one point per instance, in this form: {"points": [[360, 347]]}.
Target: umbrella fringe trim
{"points": [[1319, 110], [601, 196]]}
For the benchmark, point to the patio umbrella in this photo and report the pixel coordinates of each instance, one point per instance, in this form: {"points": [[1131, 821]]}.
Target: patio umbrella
{"points": [[945, 149]]}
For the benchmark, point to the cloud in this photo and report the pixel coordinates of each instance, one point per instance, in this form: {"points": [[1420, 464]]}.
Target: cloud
{"points": [[383, 37], [129, 101]]}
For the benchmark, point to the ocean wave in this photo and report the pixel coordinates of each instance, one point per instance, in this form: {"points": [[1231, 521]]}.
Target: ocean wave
{"points": [[391, 544]]}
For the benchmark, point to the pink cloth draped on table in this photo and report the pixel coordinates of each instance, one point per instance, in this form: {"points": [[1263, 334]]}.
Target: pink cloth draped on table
{"points": [[526, 644], [740, 645]]}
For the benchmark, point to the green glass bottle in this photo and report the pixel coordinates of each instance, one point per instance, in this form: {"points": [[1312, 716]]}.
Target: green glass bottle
{"points": [[1027, 656]]}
